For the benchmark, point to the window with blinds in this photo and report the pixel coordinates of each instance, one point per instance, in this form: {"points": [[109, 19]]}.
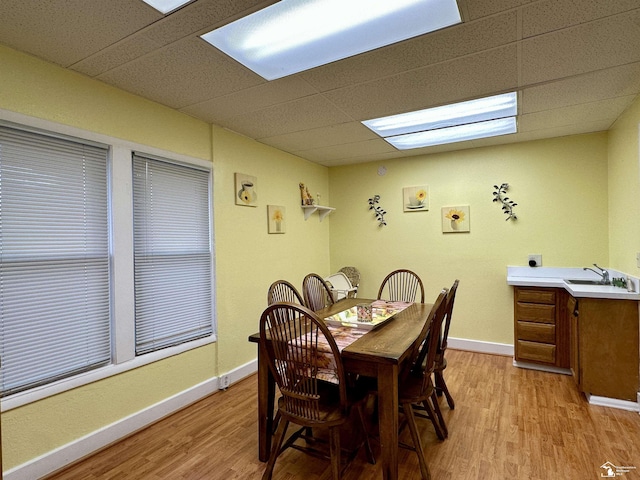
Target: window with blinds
{"points": [[54, 258], [172, 254]]}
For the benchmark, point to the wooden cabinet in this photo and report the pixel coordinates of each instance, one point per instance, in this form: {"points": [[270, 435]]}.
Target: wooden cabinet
{"points": [[541, 326], [604, 340]]}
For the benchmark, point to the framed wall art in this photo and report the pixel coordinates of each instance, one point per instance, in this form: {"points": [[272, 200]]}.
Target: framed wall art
{"points": [[415, 199], [246, 190], [276, 218], [455, 219]]}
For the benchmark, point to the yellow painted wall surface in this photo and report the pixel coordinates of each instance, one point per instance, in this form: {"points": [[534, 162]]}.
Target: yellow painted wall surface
{"points": [[247, 258], [624, 191], [561, 191], [43, 90]]}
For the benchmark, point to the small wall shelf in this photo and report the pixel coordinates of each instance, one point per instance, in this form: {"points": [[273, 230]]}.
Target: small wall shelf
{"points": [[322, 211]]}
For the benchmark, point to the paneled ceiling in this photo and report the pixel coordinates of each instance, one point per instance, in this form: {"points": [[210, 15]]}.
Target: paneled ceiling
{"points": [[574, 63]]}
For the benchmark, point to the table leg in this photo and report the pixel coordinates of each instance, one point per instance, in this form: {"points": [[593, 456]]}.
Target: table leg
{"points": [[266, 394], [388, 419]]}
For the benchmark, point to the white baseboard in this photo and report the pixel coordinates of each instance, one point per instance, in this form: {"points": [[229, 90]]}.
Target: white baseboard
{"points": [[613, 403], [99, 439], [480, 347], [542, 368]]}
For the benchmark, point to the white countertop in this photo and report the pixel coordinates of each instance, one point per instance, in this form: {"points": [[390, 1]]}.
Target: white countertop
{"points": [[556, 276]]}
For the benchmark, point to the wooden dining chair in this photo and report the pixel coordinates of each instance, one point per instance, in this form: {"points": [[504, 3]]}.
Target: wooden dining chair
{"points": [[316, 292], [415, 384], [401, 286], [282, 291], [307, 367], [441, 361]]}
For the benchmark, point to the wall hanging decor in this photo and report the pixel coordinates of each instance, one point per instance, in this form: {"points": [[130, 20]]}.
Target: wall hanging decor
{"points": [[507, 204], [245, 190], [276, 217], [415, 199], [379, 212], [305, 196], [455, 219]]}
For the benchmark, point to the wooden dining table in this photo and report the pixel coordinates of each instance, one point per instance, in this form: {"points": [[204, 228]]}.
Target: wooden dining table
{"points": [[380, 353]]}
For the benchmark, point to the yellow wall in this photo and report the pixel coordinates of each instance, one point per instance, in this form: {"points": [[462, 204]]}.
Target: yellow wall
{"points": [[624, 191], [247, 258], [561, 191]]}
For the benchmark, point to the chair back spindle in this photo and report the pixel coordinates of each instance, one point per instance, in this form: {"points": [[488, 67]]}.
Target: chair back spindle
{"points": [[316, 292], [282, 291], [420, 350], [402, 286], [296, 335]]}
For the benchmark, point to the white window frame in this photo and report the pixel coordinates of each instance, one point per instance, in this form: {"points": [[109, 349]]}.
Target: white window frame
{"points": [[121, 233]]}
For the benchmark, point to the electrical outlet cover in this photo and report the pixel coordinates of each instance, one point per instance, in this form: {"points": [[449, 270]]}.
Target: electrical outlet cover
{"points": [[535, 260]]}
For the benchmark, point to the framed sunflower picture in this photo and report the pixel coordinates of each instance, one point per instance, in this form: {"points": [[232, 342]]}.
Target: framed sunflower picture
{"points": [[245, 191], [455, 219], [276, 217], [415, 199]]}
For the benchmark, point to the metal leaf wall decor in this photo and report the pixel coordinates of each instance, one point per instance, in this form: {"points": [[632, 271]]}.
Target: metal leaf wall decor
{"points": [[379, 212], [507, 204]]}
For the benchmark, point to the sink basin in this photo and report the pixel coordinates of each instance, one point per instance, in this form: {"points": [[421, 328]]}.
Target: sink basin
{"points": [[585, 282]]}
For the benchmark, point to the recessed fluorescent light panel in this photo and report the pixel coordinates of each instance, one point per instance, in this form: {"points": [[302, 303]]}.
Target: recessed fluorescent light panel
{"points": [[295, 35], [484, 117], [166, 6]]}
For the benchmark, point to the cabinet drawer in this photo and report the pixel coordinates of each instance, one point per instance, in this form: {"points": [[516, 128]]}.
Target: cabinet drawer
{"points": [[535, 312], [536, 352], [536, 332], [546, 295]]}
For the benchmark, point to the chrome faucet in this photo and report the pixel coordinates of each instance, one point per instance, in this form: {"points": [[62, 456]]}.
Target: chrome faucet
{"points": [[603, 274]]}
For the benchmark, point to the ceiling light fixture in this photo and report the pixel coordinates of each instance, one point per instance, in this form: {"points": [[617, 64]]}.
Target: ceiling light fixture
{"points": [[295, 35], [166, 6], [457, 122]]}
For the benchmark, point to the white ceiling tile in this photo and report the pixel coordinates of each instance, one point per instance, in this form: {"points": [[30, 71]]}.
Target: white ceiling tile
{"points": [[348, 150], [322, 137], [66, 32], [302, 114], [117, 54], [543, 133], [462, 79], [436, 47], [549, 15], [370, 149], [590, 87], [483, 8], [604, 110], [588, 47], [166, 73], [219, 109]]}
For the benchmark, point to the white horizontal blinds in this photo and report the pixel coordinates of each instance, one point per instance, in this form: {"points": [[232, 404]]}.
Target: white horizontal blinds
{"points": [[54, 259], [172, 254]]}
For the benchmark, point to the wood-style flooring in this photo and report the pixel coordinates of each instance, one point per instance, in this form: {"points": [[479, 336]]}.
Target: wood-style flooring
{"points": [[508, 423]]}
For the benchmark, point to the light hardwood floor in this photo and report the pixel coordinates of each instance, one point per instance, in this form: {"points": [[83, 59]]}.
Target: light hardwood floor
{"points": [[508, 423]]}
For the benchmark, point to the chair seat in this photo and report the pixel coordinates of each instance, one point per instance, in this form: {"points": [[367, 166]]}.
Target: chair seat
{"points": [[330, 410], [413, 390], [441, 364]]}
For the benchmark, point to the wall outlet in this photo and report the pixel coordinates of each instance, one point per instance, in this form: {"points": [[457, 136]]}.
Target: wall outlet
{"points": [[535, 260], [223, 382], [638, 259]]}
